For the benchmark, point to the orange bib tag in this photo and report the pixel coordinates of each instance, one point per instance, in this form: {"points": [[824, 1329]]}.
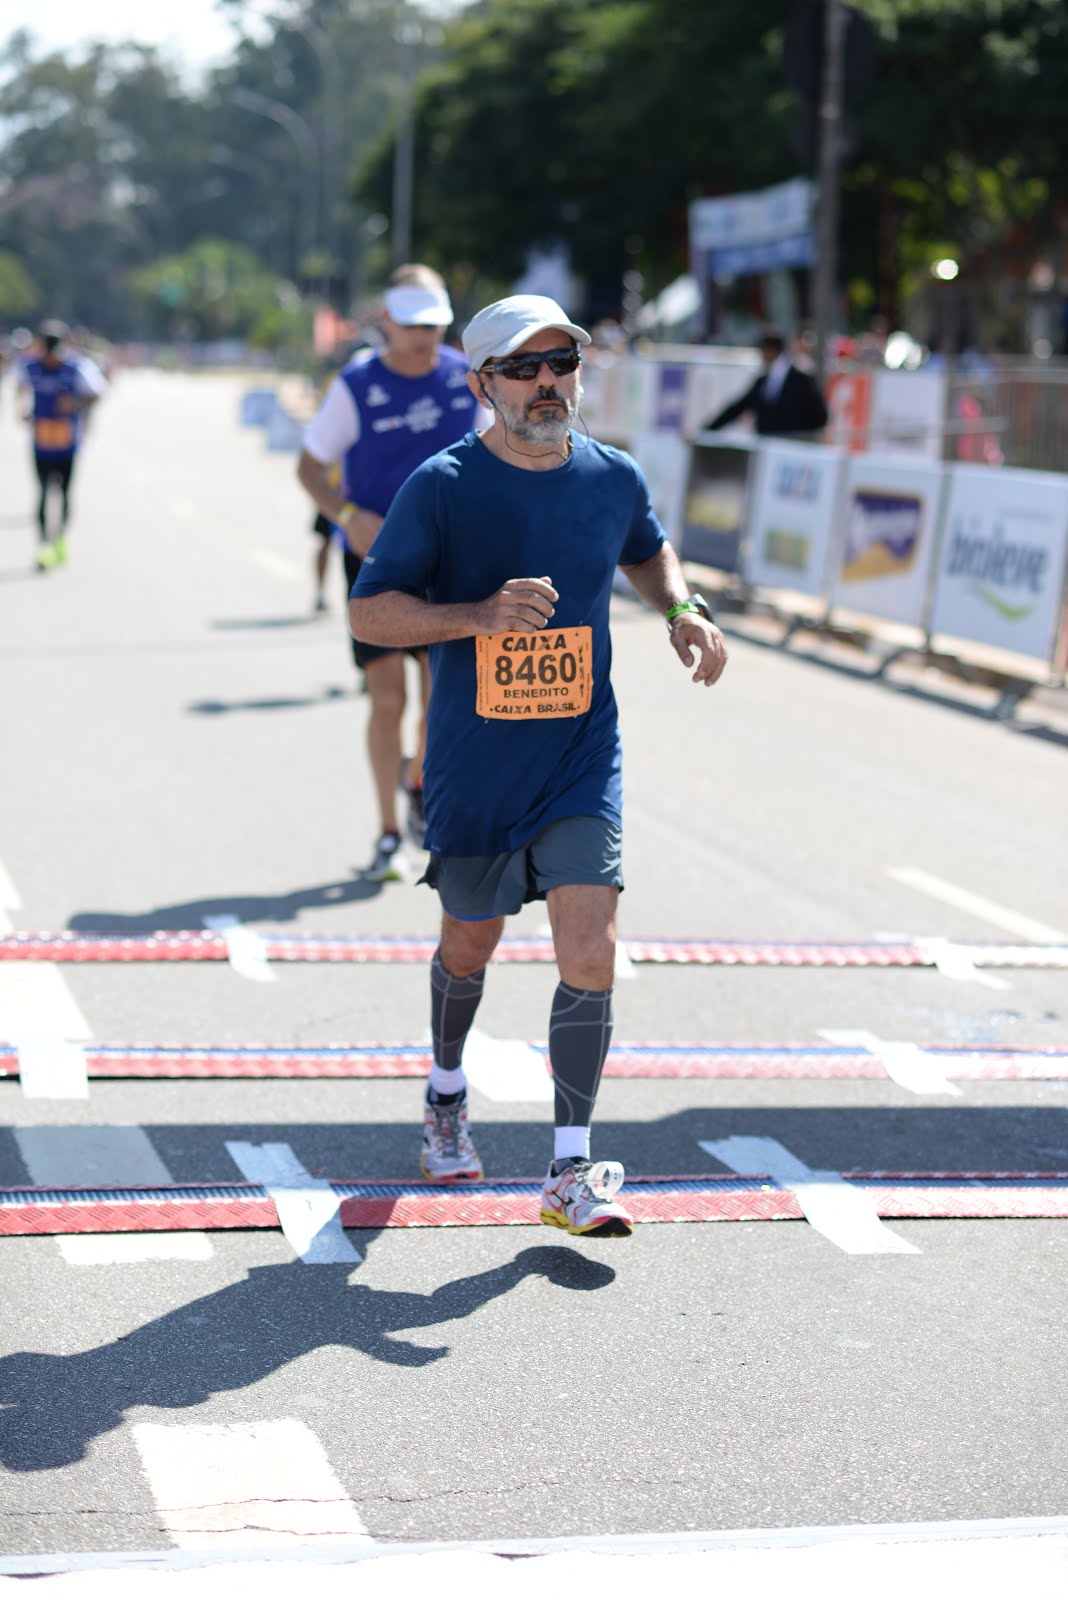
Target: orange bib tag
{"points": [[534, 675], [53, 433]]}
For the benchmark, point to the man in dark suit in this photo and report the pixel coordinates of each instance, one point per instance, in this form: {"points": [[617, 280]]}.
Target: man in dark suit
{"points": [[783, 400]]}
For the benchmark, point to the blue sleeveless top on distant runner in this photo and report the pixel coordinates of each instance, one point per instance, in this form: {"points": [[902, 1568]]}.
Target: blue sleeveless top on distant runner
{"points": [[402, 422], [463, 524], [56, 434]]}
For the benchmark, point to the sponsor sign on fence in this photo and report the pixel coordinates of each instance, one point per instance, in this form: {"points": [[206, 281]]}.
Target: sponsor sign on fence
{"points": [[664, 458], [1001, 565], [793, 513], [887, 531], [715, 501]]}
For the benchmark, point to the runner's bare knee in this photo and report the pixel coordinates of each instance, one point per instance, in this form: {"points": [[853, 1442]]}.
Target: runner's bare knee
{"points": [[467, 946]]}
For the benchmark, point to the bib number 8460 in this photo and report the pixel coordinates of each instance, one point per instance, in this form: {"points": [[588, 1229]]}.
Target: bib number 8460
{"points": [[534, 675]]}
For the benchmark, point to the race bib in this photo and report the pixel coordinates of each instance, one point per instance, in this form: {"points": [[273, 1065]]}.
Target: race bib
{"points": [[534, 675], [53, 433]]}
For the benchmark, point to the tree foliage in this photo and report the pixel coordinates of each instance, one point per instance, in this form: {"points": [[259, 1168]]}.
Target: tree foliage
{"points": [[588, 123], [19, 295], [595, 125]]}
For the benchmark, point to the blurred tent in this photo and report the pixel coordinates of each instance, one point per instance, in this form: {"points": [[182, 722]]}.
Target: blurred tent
{"points": [[675, 313]]}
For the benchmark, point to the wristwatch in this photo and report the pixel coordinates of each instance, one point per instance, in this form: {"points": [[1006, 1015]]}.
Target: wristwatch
{"points": [[696, 603]]}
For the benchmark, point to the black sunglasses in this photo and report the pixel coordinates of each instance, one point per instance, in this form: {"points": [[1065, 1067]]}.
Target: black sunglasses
{"points": [[521, 369]]}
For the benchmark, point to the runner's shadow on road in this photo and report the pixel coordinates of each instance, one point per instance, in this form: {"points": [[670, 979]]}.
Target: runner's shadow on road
{"points": [[52, 1407], [187, 914]]}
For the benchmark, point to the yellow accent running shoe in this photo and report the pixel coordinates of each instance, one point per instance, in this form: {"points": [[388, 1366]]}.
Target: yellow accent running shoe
{"points": [[581, 1198]]}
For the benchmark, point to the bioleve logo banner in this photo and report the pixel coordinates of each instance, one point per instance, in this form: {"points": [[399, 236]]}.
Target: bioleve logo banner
{"points": [[1001, 566]]}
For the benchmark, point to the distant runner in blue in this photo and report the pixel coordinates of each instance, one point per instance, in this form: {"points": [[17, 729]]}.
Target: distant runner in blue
{"points": [[57, 389], [523, 763]]}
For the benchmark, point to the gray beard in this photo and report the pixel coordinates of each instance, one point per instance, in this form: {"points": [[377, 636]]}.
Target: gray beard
{"points": [[545, 430]]}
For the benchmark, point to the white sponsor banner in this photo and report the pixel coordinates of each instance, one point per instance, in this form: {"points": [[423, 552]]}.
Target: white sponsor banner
{"points": [[907, 412], [1001, 562], [714, 385], [789, 533], [665, 460], [888, 526]]}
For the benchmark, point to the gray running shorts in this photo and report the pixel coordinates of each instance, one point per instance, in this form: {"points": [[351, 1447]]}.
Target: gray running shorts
{"points": [[573, 850]]}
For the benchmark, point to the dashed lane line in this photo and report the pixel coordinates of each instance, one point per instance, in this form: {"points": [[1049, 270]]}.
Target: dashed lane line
{"points": [[977, 905]]}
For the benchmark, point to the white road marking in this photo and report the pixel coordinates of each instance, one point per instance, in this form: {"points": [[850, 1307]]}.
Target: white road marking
{"points": [[9, 895], [87, 1158], [506, 1069], [906, 1064], [626, 971], [245, 949], [278, 566], [308, 1209], [234, 1483], [977, 905], [38, 1012], [103, 1157], [35, 1003], [842, 1213], [52, 1069], [955, 961]]}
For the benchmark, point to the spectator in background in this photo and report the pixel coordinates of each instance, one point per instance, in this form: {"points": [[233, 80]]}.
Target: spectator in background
{"points": [[784, 399]]}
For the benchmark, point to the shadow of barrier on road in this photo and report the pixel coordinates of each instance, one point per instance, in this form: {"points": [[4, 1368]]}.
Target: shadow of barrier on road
{"points": [[912, 1138], [246, 908], [282, 702]]}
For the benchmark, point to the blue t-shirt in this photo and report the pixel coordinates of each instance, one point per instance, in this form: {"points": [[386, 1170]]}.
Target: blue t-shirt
{"points": [[402, 422], [56, 433], [463, 524]]}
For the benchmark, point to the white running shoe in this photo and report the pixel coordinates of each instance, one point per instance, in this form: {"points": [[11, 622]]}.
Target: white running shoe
{"points": [[389, 864], [582, 1199], [448, 1152]]}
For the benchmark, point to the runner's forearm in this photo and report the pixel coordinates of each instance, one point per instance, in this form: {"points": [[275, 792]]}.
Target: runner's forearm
{"points": [[660, 580], [314, 478], [395, 618]]}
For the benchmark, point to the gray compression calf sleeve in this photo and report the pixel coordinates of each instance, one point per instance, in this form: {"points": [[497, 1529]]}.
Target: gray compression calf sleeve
{"points": [[453, 1003], [580, 1031]]}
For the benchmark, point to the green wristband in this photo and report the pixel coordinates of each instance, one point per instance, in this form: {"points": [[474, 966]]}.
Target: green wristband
{"points": [[676, 611]]}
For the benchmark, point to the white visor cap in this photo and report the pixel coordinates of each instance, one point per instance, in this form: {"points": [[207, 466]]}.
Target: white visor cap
{"points": [[413, 307], [499, 329]]}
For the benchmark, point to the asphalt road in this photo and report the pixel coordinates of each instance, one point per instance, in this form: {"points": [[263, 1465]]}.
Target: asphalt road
{"points": [[183, 739]]}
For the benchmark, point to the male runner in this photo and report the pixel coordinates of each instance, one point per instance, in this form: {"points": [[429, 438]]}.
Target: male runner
{"points": [[384, 414], [523, 765], [57, 389]]}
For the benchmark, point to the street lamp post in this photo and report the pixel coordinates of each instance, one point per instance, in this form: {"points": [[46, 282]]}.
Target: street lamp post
{"points": [[301, 135], [330, 148], [830, 163], [404, 149], [260, 170]]}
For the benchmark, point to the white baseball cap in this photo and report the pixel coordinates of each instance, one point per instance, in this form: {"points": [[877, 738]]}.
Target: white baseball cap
{"points": [[414, 307], [499, 329]]}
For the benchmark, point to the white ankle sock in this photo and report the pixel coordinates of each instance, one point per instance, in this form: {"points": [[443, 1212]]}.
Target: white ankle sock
{"points": [[571, 1144], [444, 1080]]}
